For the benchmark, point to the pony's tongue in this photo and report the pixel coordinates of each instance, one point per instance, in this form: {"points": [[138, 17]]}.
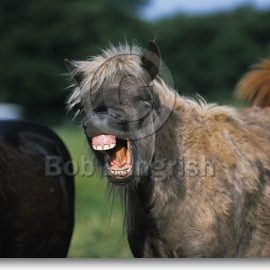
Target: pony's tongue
{"points": [[103, 142], [119, 157]]}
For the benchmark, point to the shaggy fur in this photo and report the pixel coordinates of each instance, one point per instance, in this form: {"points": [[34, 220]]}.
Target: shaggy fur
{"points": [[224, 212]]}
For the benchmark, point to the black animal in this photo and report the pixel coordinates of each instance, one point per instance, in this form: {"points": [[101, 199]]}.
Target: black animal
{"points": [[36, 209]]}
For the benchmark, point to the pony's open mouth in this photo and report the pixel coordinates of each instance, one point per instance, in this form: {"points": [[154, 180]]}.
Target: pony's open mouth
{"points": [[117, 155]]}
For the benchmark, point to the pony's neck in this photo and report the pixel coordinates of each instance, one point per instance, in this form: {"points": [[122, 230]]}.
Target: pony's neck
{"points": [[165, 179], [148, 198], [167, 176]]}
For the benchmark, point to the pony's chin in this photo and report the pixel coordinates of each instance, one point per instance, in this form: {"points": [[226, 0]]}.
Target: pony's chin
{"points": [[118, 181], [118, 157]]}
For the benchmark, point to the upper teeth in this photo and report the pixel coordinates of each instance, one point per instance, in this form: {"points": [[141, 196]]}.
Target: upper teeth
{"points": [[104, 147]]}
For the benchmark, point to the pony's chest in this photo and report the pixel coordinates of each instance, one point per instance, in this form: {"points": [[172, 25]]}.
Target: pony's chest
{"points": [[191, 232]]}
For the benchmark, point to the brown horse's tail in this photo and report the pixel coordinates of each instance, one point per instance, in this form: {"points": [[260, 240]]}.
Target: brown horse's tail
{"points": [[255, 85]]}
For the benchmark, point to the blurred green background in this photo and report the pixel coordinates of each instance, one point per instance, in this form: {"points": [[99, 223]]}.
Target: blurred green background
{"points": [[98, 231], [206, 54]]}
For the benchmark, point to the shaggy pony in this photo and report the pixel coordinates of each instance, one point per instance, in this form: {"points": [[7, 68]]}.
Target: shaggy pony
{"points": [[204, 190]]}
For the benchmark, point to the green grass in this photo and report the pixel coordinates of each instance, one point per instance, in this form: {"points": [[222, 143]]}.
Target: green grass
{"points": [[97, 233]]}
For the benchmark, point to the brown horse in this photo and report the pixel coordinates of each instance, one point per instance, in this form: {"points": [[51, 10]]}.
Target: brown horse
{"points": [[196, 176]]}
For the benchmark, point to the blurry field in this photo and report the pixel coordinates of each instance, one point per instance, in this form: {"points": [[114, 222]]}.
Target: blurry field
{"points": [[96, 233]]}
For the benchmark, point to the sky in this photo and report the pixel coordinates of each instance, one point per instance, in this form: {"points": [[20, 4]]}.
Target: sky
{"points": [[161, 8]]}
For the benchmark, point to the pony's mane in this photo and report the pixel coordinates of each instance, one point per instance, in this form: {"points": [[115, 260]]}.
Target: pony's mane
{"points": [[197, 105]]}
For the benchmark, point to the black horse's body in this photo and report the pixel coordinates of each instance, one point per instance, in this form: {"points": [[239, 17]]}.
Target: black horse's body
{"points": [[36, 210]]}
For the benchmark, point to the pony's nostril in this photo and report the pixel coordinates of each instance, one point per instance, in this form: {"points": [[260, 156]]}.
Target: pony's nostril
{"points": [[100, 109], [118, 115]]}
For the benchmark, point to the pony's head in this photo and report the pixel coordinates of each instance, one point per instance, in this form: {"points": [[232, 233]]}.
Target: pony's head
{"points": [[114, 95]]}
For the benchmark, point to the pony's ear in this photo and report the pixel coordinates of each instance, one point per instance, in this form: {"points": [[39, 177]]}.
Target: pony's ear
{"points": [[151, 60], [72, 69]]}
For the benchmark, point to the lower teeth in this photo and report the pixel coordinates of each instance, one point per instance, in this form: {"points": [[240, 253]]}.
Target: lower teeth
{"points": [[120, 173]]}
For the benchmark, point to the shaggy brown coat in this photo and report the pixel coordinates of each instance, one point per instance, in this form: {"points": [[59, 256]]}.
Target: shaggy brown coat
{"points": [[223, 211]]}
